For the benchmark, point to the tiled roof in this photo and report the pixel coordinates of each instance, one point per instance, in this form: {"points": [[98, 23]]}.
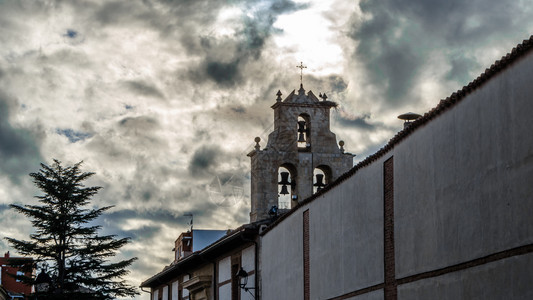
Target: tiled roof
{"points": [[518, 52], [227, 242], [302, 99]]}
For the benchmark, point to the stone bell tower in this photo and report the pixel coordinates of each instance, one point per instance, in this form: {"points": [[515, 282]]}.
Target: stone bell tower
{"points": [[301, 156]]}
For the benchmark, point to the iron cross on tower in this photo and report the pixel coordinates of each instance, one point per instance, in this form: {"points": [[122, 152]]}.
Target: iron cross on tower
{"points": [[301, 67]]}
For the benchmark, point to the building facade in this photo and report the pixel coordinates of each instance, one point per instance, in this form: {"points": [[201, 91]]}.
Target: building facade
{"points": [[301, 156], [11, 266], [211, 272], [442, 211]]}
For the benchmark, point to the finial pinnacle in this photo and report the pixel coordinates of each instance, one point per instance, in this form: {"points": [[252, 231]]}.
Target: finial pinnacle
{"points": [[341, 144], [301, 91]]}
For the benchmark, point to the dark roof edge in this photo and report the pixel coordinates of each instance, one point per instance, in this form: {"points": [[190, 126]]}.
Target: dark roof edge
{"points": [[500, 65], [148, 282], [316, 104], [236, 233]]}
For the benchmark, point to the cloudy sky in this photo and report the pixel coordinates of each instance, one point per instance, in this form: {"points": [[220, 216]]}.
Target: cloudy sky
{"points": [[162, 99]]}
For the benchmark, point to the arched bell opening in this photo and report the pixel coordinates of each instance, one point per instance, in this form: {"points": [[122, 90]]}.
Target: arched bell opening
{"points": [[286, 185], [321, 177], [304, 131]]}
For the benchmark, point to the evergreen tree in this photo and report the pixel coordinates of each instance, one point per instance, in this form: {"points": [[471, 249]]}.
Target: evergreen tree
{"points": [[67, 242]]}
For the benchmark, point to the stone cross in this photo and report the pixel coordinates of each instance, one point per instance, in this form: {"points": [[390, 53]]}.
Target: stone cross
{"points": [[301, 67]]}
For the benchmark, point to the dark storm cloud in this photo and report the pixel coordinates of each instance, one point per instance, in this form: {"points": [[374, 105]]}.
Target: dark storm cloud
{"points": [[170, 217], [337, 83], [143, 88], [120, 12], [3, 207], [142, 123], [141, 132], [166, 216], [286, 6], [460, 68], [238, 109], [143, 233], [396, 39], [361, 122], [204, 159], [244, 47], [225, 74], [19, 148]]}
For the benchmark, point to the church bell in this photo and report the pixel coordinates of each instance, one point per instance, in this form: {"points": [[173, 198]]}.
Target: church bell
{"points": [[301, 126], [319, 184], [284, 190], [284, 182], [301, 137]]}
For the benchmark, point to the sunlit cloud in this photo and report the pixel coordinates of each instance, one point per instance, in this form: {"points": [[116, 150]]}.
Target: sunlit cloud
{"points": [[163, 99]]}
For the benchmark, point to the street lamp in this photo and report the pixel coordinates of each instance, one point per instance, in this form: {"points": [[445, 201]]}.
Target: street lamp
{"points": [[243, 281]]}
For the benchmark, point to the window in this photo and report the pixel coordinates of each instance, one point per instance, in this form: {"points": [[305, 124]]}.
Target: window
{"points": [[175, 290], [286, 186], [303, 138], [19, 273], [321, 177]]}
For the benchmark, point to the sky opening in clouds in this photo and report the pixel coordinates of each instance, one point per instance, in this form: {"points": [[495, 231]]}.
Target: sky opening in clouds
{"points": [[162, 99]]}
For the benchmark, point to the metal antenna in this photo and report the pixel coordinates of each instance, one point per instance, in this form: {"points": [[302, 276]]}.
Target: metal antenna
{"points": [[301, 67]]}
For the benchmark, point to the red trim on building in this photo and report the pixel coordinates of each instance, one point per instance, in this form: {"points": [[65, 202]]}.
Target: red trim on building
{"points": [[391, 287], [307, 284]]}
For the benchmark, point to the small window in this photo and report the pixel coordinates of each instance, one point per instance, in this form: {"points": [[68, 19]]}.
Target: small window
{"points": [[321, 177], [287, 188], [19, 273], [303, 138]]}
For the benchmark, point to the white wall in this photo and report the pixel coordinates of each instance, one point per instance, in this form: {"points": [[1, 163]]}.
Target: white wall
{"points": [[346, 242], [248, 264], [224, 274], [281, 268], [224, 269], [346, 235], [463, 186], [224, 292], [165, 293], [248, 259], [185, 292], [175, 290], [250, 294], [509, 278]]}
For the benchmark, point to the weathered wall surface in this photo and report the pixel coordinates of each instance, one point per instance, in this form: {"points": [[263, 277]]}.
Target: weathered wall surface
{"points": [[346, 236], [346, 242], [319, 149], [462, 191], [505, 279], [281, 261], [463, 184], [375, 295]]}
